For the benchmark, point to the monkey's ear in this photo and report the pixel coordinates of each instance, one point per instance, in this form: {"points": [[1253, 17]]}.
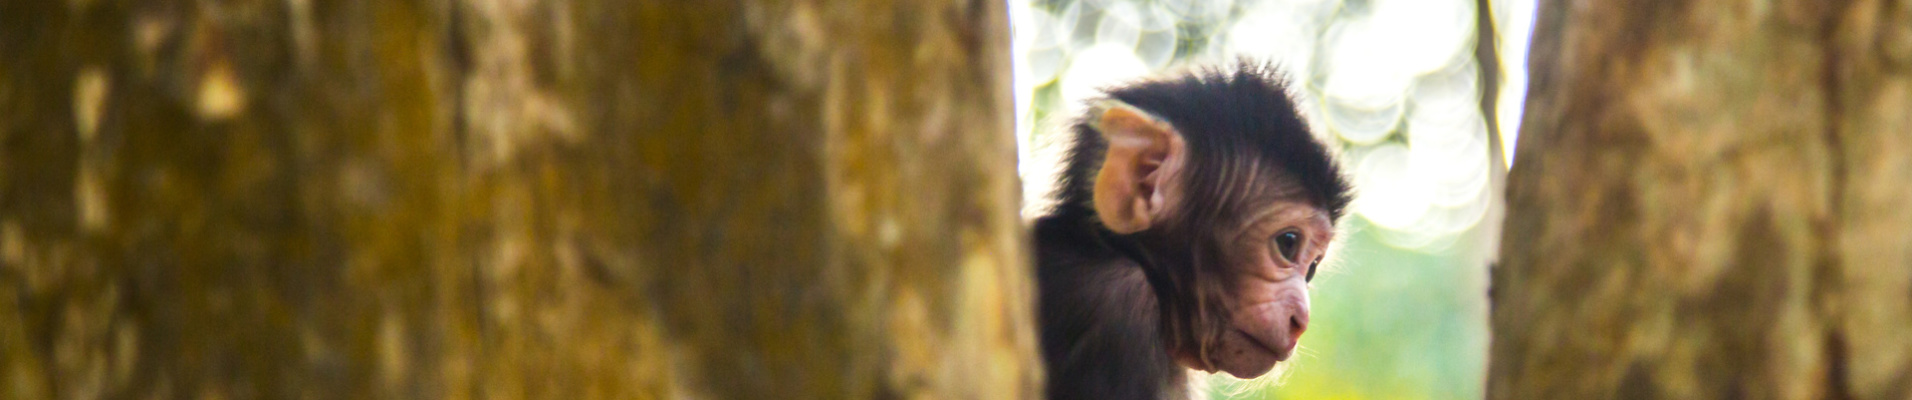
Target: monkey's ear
{"points": [[1144, 154]]}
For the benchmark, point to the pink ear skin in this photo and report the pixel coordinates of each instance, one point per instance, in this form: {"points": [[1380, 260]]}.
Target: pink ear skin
{"points": [[1145, 156]]}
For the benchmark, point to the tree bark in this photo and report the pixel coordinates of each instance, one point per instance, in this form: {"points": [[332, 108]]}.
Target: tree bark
{"points": [[1710, 200], [510, 199]]}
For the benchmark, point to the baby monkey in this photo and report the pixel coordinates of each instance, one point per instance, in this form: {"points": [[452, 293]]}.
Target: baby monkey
{"points": [[1190, 215]]}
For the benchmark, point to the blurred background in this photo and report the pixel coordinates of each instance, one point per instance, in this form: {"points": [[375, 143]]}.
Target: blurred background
{"points": [[1397, 87]]}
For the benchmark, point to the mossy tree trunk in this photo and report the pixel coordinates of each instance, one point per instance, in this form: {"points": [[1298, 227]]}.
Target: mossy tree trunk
{"points": [[509, 199], [1711, 199]]}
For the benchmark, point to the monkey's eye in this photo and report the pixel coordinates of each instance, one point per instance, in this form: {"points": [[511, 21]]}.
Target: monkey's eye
{"points": [[1288, 244], [1311, 270]]}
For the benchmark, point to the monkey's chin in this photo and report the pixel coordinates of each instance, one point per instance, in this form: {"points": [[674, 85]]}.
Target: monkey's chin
{"points": [[1246, 356]]}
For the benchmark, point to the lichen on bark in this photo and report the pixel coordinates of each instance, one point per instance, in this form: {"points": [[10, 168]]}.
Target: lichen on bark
{"points": [[1703, 204], [510, 199]]}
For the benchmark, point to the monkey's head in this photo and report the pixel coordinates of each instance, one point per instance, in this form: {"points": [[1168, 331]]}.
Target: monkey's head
{"points": [[1213, 182]]}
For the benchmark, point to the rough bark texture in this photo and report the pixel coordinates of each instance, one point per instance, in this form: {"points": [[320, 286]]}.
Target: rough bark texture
{"points": [[1711, 199], [509, 199]]}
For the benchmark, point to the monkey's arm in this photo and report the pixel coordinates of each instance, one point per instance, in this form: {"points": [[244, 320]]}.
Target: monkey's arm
{"points": [[1103, 341]]}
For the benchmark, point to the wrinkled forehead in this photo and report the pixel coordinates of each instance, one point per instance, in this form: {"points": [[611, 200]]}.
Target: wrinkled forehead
{"points": [[1285, 209], [1245, 187]]}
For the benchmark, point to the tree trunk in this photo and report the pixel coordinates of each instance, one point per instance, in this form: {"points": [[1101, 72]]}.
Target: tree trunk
{"points": [[1711, 199], [510, 199]]}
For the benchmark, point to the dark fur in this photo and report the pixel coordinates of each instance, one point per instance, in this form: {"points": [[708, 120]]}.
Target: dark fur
{"points": [[1113, 305]]}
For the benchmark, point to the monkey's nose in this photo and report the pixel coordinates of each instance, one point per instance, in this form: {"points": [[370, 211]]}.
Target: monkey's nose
{"points": [[1297, 324]]}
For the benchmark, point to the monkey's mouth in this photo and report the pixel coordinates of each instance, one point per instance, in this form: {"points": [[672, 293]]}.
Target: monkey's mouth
{"points": [[1281, 354], [1243, 355]]}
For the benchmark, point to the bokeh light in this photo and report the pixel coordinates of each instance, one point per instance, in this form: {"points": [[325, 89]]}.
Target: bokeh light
{"points": [[1394, 79]]}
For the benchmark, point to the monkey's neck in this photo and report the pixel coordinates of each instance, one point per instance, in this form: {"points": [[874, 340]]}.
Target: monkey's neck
{"points": [[1101, 329]]}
